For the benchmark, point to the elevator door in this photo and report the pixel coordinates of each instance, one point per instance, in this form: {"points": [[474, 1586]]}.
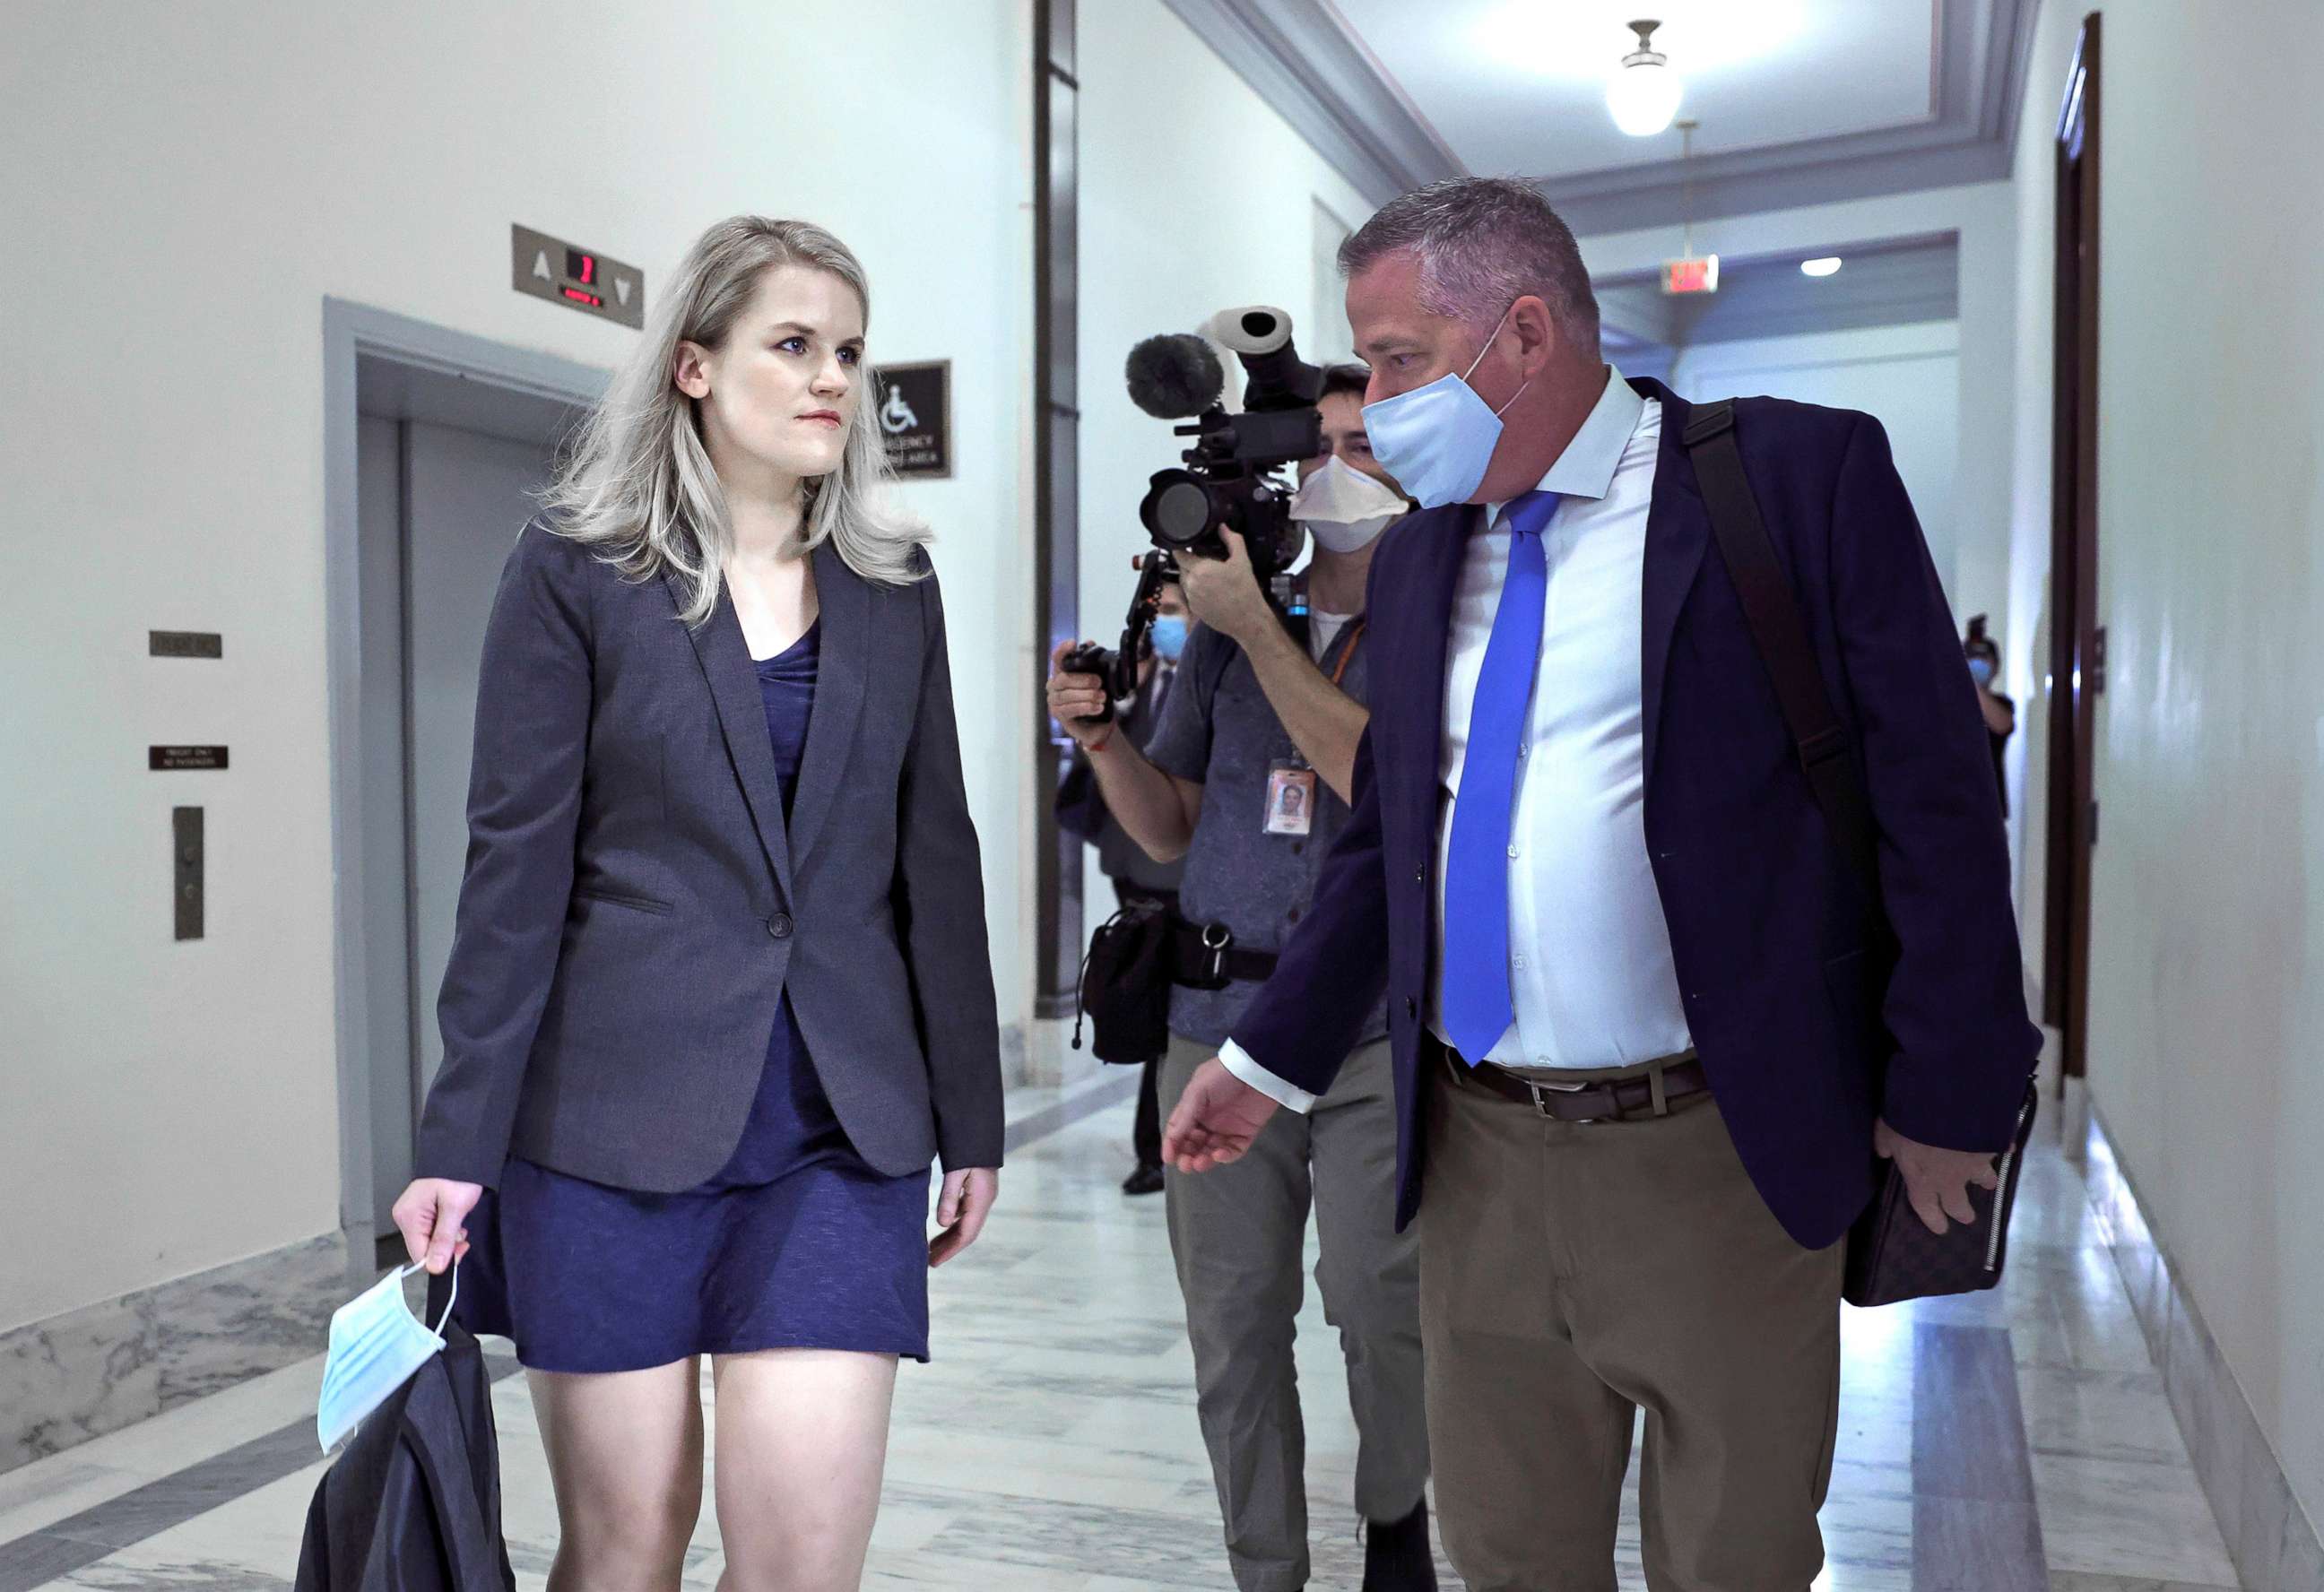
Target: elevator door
{"points": [[467, 495], [456, 500]]}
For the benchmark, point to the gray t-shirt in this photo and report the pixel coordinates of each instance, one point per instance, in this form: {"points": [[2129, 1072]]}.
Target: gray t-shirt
{"points": [[1219, 730]]}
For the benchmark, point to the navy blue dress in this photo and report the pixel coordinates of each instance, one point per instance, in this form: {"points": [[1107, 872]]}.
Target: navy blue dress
{"points": [[796, 1243]]}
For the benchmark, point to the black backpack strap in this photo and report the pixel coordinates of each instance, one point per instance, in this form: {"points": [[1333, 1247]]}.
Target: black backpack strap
{"points": [[1780, 636]]}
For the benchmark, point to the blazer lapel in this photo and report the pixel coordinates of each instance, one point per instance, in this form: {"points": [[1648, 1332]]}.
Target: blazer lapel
{"points": [[1438, 552], [842, 676], [726, 660], [1678, 529]]}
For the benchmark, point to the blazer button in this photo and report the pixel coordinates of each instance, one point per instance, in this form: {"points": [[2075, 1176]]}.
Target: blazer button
{"points": [[779, 926], [1411, 1007]]}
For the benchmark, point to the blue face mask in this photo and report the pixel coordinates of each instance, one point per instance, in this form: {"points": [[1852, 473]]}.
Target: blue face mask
{"points": [[1437, 440], [376, 1343], [1169, 636], [1980, 669]]}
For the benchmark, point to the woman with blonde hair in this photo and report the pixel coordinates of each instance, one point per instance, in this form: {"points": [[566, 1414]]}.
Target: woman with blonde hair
{"points": [[719, 992]]}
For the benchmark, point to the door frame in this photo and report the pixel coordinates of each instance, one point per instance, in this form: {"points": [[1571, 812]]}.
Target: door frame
{"points": [[2076, 662], [444, 376], [1057, 860]]}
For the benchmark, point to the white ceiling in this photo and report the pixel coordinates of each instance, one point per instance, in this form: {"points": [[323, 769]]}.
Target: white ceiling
{"points": [[1517, 86], [1801, 102]]}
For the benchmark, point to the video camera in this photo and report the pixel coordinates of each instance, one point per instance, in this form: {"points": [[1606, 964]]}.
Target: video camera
{"points": [[1228, 481]]}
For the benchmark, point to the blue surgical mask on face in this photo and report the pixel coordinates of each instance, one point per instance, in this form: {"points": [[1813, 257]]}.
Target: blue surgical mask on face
{"points": [[1980, 669], [1438, 440], [376, 1343], [1169, 636]]}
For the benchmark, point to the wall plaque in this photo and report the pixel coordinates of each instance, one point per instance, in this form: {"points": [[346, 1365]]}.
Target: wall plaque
{"points": [[177, 759], [915, 418], [186, 644]]}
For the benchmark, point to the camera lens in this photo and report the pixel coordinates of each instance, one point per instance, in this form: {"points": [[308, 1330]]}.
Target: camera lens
{"points": [[1178, 511]]}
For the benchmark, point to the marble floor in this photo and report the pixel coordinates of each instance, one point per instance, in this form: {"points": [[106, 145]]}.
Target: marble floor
{"points": [[2018, 1440]]}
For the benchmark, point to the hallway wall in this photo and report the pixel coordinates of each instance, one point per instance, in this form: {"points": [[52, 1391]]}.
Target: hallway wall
{"points": [[1908, 377], [1984, 217], [195, 180], [2208, 883]]}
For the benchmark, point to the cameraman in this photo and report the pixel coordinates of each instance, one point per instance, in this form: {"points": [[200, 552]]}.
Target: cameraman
{"points": [[1247, 779], [1135, 875]]}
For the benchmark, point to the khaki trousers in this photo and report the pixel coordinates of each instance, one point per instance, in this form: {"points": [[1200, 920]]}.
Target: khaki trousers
{"points": [[1573, 1272], [1239, 1234]]}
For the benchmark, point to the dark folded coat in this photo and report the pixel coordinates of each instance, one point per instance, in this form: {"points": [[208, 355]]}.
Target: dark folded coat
{"points": [[413, 1504]]}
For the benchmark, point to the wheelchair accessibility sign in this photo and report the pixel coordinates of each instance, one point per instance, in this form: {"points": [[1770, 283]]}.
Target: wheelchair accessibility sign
{"points": [[915, 417]]}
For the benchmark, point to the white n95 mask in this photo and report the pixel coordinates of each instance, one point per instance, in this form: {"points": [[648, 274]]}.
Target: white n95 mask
{"points": [[1343, 508], [376, 1343]]}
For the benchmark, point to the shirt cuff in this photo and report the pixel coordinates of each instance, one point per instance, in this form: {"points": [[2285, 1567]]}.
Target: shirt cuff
{"points": [[1237, 1061]]}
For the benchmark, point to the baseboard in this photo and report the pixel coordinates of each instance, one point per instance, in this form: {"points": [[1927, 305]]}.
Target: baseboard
{"points": [[2274, 1542], [90, 1371], [1050, 1058]]}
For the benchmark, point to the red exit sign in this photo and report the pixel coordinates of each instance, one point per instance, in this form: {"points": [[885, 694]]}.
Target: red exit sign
{"points": [[1692, 275]]}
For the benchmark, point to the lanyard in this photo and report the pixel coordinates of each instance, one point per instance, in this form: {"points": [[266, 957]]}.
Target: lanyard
{"points": [[1355, 633]]}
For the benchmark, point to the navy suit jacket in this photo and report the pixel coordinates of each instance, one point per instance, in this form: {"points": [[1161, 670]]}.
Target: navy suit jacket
{"points": [[1809, 1021]]}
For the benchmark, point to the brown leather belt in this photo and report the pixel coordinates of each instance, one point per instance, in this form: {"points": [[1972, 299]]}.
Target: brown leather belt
{"points": [[1604, 1099]]}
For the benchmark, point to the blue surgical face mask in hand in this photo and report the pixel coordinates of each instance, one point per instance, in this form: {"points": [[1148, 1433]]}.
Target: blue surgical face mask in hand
{"points": [[376, 1343], [1168, 635], [1438, 440]]}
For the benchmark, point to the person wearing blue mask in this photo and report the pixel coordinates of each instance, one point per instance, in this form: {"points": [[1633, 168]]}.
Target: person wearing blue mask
{"points": [[1247, 780], [1652, 1032], [1999, 711], [1135, 875]]}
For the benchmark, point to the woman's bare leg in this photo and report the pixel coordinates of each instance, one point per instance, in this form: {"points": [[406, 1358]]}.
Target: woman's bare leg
{"points": [[802, 1445], [625, 1456]]}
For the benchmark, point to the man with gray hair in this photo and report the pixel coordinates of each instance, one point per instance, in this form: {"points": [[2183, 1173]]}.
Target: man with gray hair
{"points": [[1650, 1033]]}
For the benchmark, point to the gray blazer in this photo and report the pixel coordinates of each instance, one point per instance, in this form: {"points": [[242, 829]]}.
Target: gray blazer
{"points": [[635, 903]]}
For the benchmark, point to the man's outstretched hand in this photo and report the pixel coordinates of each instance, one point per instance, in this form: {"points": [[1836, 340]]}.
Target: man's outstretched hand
{"points": [[1216, 1121]]}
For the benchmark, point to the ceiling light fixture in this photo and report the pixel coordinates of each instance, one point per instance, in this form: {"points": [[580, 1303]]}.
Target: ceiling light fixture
{"points": [[1826, 266], [1643, 94]]}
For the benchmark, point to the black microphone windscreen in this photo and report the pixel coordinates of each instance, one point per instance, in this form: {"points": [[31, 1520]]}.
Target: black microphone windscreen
{"points": [[1174, 376]]}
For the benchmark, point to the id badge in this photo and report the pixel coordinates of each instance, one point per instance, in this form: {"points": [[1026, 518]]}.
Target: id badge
{"points": [[1290, 798]]}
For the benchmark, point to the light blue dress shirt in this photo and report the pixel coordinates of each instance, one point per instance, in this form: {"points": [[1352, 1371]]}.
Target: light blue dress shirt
{"points": [[1591, 973]]}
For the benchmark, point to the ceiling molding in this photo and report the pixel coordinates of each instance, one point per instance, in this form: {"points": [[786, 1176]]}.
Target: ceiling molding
{"points": [[1303, 61], [1659, 200], [1302, 58], [2008, 60]]}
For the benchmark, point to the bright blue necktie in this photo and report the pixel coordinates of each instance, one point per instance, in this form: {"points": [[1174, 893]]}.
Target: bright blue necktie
{"points": [[1475, 975]]}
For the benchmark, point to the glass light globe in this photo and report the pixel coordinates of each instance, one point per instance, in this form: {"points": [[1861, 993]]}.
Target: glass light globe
{"points": [[1643, 96]]}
